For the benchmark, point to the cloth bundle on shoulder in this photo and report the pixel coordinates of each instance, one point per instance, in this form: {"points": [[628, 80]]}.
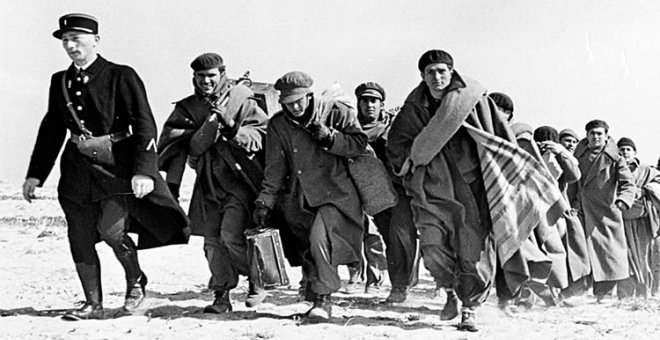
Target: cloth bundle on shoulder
{"points": [[367, 172]]}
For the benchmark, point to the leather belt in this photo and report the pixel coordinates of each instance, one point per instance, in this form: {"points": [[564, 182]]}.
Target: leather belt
{"points": [[114, 137]]}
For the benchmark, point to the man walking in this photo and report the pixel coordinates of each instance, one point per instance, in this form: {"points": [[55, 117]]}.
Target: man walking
{"points": [[109, 179], [222, 140]]}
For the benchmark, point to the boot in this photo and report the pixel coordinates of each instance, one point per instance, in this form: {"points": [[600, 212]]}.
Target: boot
{"points": [[90, 277], [136, 281], [468, 320], [221, 304], [354, 280], [322, 309], [256, 295], [397, 295], [450, 310]]}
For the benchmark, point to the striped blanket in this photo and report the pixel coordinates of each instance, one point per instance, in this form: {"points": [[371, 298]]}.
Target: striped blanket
{"points": [[519, 189]]}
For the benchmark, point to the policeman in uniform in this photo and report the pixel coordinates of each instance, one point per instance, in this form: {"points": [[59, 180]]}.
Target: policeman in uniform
{"points": [[97, 100]]}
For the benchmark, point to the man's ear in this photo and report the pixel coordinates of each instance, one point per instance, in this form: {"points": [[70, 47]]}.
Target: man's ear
{"points": [[421, 74]]}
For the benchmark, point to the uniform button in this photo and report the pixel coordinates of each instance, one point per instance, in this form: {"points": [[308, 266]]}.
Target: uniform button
{"points": [[78, 78], [299, 172], [295, 150], [79, 108], [78, 93]]}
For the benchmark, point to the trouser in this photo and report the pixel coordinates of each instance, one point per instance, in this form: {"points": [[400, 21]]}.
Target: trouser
{"points": [[655, 265], [323, 277], [374, 262], [464, 258], [226, 249], [602, 288], [91, 221], [400, 236]]}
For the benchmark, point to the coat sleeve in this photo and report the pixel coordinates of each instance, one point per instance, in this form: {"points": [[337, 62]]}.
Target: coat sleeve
{"points": [[276, 169], [132, 92], [569, 165], [626, 189], [348, 138], [50, 137], [400, 137], [249, 133]]}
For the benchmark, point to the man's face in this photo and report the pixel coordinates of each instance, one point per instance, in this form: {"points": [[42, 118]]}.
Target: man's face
{"points": [[298, 107], [207, 80], [627, 152], [569, 142], [597, 137], [80, 46], [437, 77], [370, 108]]}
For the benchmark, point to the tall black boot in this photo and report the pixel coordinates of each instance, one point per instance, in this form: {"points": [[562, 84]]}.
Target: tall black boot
{"points": [[90, 277], [136, 281]]}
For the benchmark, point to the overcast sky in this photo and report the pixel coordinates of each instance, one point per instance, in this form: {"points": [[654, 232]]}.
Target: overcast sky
{"points": [[562, 62]]}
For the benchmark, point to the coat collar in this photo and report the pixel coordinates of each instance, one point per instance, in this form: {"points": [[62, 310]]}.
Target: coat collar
{"points": [[609, 155], [420, 95], [91, 71]]}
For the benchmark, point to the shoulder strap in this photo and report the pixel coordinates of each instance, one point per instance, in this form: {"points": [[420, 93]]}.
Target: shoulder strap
{"points": [[69, 105]]}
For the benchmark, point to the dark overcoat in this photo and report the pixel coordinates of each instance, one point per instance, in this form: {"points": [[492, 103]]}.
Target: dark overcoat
{"points": [[187, 133], [306, 175], [604, 181], [114, 100]]}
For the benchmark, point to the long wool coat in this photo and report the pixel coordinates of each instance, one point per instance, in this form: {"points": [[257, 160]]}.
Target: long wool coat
{"points": [[300, 174], [187, 132], [114, 98], [604, 181]]}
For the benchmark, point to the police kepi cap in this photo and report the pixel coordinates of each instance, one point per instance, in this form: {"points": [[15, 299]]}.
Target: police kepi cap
{"points": [[370, 89], [293, 86], [207, 61], [434, 57], [77, 22]]}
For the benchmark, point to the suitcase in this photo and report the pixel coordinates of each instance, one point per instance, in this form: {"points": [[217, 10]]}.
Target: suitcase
{"points": [[267, 258]]}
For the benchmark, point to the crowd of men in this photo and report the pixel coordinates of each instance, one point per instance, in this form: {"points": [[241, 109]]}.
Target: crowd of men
{"points": [[486, 202]]}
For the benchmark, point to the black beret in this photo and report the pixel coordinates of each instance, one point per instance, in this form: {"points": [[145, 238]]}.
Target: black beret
{"points": [[502, 100], [77, 22], [625, 141], [544, 133], [434, 57], [293, 86], [207, 61], [370, 89], [596, 123]]}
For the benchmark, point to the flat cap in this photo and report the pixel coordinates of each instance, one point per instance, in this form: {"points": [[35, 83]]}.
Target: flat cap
{"points": [[207, 61], [625, 141], [434, 57], [596, 123], [77, 22], [370, 89], [568, 132], [293, 86]]}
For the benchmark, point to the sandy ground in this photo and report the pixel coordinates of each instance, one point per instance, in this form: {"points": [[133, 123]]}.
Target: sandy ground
{"points": [[38, 282]]}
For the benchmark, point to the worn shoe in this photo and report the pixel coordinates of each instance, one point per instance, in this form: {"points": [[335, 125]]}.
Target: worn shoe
{"points": [[468, 321], [450, 310], [135, 293], [255, 296], [88, 311], [221, 304], [397, 295], [322, 309]]}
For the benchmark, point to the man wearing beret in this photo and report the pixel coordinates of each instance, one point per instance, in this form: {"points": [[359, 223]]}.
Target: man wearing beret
{"points": [[454, 152], [604, 191], [97, 100], [223, 142], [306, 149], [395, 224], [641, 223], [569, 139]]}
